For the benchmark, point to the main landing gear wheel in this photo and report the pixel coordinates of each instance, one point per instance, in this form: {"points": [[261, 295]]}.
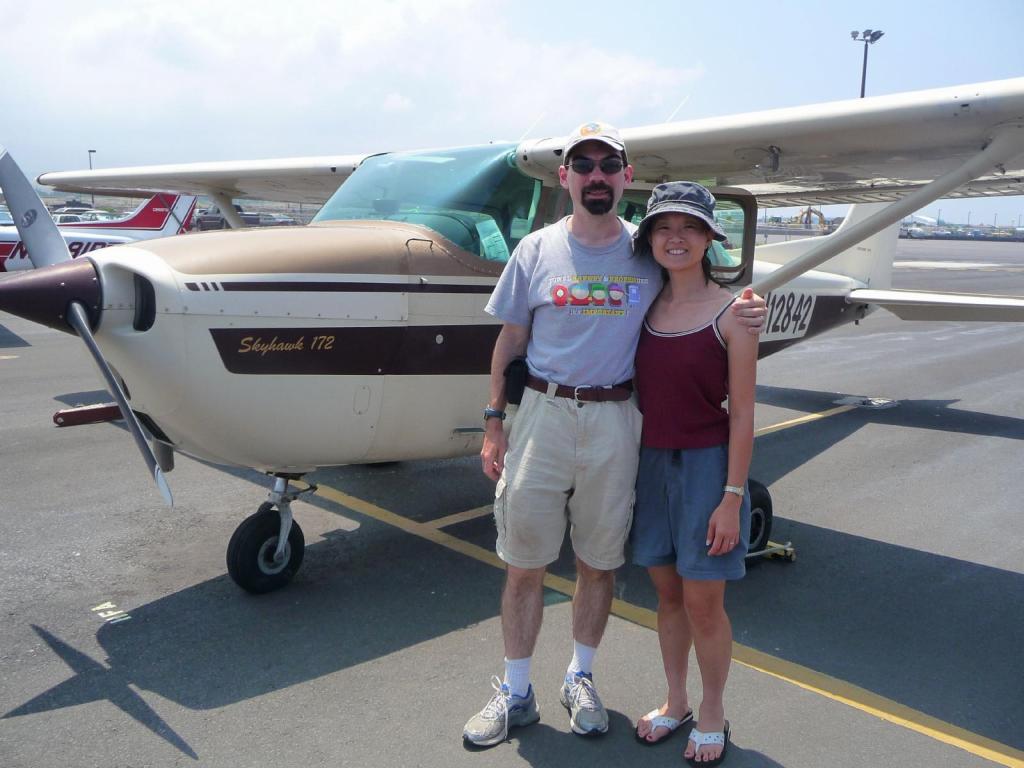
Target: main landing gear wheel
{"points": [[251, 551], [760, 516]]}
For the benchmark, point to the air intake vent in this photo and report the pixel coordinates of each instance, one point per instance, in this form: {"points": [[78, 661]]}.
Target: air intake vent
{"points": [[154, 429], [145, 304]]}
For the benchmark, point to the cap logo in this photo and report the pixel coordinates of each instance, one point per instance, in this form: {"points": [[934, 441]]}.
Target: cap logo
{"points": [[590, 129]]}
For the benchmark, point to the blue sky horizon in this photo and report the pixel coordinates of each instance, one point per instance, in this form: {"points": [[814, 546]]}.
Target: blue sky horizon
{"points": [[148, 83]]}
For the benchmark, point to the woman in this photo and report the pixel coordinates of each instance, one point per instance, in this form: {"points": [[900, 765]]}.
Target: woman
{"points": [[691, 524]]}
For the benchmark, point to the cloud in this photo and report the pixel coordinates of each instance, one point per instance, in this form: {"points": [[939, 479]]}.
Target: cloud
{"points": [[396, 102], [148, 82]]}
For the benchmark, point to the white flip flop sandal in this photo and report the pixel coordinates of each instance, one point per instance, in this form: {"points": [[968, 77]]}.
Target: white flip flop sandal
{"points": [[702, 739], [662, 721]]}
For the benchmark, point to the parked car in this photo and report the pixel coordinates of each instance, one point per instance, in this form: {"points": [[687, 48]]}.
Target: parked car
{"points": [[98, 215], [212, 218], [66, 218], [5, 218]]}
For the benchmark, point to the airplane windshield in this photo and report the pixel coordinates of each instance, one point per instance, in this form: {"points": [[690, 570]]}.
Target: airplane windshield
{"points": [[475, 197]]}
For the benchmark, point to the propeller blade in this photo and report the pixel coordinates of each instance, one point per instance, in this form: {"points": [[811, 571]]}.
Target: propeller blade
{"points": [[42, 239], [79, 320]]}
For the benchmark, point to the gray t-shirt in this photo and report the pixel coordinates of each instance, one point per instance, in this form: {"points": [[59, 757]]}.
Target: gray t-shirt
{"points": [[585, 306]]}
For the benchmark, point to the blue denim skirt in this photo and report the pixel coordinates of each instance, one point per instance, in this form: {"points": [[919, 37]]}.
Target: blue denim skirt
{"points": [[677, 490]]}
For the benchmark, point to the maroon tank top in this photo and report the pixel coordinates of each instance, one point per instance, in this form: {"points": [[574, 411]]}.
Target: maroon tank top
{"points": [[682, 380]]}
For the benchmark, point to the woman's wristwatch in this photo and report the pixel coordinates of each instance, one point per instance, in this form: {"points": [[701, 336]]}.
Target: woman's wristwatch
{"points": [[737, 489]]}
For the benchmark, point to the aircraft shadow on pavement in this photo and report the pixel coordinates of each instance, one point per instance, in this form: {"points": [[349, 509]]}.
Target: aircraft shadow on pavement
{"points": [[779, 453], [924, 630], [931, 632], [935, 633], [212, 645], [89, 397], [9, 339]]}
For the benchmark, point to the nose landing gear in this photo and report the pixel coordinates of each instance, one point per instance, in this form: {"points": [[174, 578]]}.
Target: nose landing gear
{"points": [[761, 526], [266, 550]]}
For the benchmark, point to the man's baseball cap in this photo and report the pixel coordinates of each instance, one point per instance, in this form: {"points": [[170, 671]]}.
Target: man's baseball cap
{"points": [[680, 197], [594, 131]]}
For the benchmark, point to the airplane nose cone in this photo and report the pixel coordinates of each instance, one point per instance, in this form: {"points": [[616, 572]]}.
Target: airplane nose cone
{"points": [[42, 295]]}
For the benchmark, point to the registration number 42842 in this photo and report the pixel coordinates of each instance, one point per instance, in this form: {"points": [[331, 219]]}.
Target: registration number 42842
{"points": [[789, 314]]}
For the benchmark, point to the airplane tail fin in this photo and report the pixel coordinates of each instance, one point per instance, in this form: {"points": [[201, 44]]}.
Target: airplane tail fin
{"points": [[162, 215], [171, 214], [869, 261]]}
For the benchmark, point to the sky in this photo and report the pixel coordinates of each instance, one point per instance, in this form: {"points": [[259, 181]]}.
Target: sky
{"points": [[145, 82]]}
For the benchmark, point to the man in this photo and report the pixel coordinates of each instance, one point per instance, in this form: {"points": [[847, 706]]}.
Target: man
{"points": [[572, 299]]}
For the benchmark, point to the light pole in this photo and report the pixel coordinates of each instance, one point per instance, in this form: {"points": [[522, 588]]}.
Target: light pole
{"points": [[91, 153], [869, 37]]}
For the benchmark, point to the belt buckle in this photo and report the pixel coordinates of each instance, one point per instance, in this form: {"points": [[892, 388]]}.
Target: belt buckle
{"points": [[576, 392]]}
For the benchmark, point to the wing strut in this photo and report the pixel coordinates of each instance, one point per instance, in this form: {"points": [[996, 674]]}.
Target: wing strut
{"points": [[1005, 144], [227, 209]]}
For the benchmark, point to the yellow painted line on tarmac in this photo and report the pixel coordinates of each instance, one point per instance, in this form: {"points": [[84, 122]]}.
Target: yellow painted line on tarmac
{"points": [[8, 357], [803, 420], [801, 676], [461, 517], [423, 530], [879, 706]]}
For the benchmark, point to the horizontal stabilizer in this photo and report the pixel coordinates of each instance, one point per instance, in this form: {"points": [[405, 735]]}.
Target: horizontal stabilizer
{"points": [[925, 305]]}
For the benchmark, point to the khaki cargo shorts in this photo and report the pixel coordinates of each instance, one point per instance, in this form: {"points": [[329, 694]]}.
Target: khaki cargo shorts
{"points": [[567, 463]]}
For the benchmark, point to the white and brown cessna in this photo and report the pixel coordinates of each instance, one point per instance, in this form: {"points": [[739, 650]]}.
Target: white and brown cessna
{"points": [[369, 322]]}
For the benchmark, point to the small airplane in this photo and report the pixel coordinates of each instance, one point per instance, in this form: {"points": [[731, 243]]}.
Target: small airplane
{"points": [[362, 338], [162, 215]]}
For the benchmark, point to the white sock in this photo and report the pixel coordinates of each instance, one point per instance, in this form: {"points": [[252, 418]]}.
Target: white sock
{"points": [[582, 659], [517, 676]]}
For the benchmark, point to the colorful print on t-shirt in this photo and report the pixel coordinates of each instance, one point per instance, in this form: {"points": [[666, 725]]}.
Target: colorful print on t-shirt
{"points": [[608, 295]]}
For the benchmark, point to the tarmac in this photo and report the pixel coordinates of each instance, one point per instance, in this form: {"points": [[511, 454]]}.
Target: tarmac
{"points": [[891, 449]]}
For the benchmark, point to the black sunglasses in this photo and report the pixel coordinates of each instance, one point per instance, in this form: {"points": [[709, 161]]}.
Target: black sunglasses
{"points": [[608, 165]]}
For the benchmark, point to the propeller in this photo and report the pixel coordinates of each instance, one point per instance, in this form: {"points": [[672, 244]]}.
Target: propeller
{"points": [[47, 248], [44, 244]]}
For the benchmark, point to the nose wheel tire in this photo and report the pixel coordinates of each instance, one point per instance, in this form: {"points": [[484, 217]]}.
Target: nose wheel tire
{"points": [[250, 556], [760, 516]]}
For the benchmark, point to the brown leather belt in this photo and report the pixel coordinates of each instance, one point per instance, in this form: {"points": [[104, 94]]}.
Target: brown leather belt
{"points": [[617, 393]]}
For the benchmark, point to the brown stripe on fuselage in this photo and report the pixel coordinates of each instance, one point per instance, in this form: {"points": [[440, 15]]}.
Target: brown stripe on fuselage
{"points": [[344, 247], [354, 287], [431, 350]]}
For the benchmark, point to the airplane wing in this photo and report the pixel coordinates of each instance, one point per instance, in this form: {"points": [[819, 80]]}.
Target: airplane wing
{"points": [[291, 180], [856, 151], [924, 305], [876, 149]]}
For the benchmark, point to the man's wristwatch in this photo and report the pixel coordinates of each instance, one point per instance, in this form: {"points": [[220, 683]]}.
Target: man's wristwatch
{"points": [[737, 489], [493, 413]]}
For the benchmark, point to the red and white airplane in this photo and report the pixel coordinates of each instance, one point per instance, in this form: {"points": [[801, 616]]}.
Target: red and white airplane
{"points": [[162, 215]]}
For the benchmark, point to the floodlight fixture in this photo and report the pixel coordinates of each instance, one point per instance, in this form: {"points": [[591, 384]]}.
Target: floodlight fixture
{"points": [[868, 37]]}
